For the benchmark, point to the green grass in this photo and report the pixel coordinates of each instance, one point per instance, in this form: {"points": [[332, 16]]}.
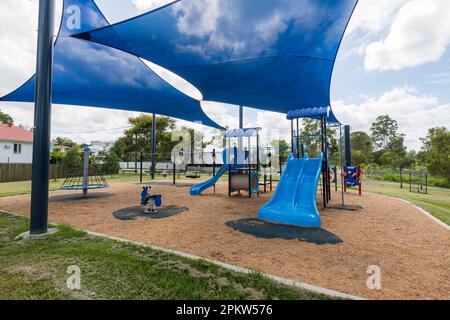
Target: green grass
{"points": [[436, 202], [37, 269], [24, 187]]}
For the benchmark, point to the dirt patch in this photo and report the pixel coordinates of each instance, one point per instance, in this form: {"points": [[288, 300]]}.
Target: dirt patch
{"points": [[411, 250], [75, 196]]}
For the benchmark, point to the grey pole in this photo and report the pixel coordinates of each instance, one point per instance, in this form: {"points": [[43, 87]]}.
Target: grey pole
{"points": [[241, 126], [153, 146], [241, 117], [342, 165], [86, 171], [42, 119]]}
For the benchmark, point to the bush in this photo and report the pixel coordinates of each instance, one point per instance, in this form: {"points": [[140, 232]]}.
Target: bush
{"points": [[111, 164]]}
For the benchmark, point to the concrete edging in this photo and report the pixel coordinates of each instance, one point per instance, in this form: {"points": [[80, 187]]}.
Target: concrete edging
{"points": [[284, 281], [288, 282]]}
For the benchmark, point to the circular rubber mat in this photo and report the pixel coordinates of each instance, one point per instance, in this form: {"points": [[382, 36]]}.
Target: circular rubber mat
{"points": [[133, 213], [266, 230]]}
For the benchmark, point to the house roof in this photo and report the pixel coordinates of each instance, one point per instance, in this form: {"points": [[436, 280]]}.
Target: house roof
{"points": [[13, 133]]}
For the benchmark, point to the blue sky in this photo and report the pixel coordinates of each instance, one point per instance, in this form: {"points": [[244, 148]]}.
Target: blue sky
{"points": [[394, 59]]}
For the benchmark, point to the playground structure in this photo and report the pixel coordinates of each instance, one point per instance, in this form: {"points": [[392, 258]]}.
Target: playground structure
{"points": [[85, 177], [309, 79], [294, 201], [240, 162], [152, 201], [204, 232], [353, 178], [352, 175]]}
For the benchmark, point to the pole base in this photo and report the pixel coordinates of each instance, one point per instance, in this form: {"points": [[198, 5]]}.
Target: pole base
{"points": [[27, 235]]}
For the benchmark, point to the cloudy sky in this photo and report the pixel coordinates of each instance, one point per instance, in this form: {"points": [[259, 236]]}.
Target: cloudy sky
{"points": [[394, 59]]}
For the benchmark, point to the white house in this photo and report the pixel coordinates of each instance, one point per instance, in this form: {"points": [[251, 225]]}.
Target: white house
{"points": [[16, 144], [99, 146]]}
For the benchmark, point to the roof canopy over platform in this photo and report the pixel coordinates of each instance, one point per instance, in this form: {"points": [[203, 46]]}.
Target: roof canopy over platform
{"points": [[313, 113], [90, 74], [274, 55], [242, 133]]}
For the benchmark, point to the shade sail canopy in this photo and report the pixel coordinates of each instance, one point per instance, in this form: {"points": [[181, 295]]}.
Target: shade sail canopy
{"points": [[90, 74], [313, 113], [242, 133], [274, 55]]}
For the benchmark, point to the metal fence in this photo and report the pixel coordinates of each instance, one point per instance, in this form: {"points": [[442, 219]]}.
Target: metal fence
{"points": [[375, 173]]}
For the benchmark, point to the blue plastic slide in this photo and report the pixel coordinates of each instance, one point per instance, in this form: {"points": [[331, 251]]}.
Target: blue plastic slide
{"points": [[198, 189], [294, 201]]}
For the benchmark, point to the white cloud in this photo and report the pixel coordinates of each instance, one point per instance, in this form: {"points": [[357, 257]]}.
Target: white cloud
{"points": [[175, 81], [415, 113], [372, 17], [419, 34], [78, 123], [146, 5], [18, 38]]}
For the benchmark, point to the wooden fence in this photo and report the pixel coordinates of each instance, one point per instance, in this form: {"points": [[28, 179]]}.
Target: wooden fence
{"points": [[10, 172]]}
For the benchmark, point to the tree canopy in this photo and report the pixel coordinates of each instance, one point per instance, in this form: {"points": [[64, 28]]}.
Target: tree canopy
{"points": [[436, 146], [5, 118]]}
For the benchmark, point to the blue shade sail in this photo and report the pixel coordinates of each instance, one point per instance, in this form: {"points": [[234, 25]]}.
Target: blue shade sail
{"points": [[313, 113], [275, 55], [90, 74], [242, 133]]}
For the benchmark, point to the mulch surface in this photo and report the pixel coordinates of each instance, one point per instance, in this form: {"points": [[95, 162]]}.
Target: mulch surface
{"points": [[412, 251]]}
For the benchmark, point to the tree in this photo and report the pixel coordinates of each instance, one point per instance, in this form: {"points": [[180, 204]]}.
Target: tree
{"points": [[310, 135], [5, 118], [362, 147], [139, 137], [383, 130], [120, 147], [436, 146], [64, 142], [56, 156], [362, 142], [111, 163], [72, 158]]}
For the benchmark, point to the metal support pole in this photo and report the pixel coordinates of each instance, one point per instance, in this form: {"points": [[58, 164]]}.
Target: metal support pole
{"points": [[85, 171], [327, 153], [153, 146], [141, 178], [241, 126], [214, 167], [348, 151], [241, 117], [342, 166], [292, 136], [298, 139], [42, 119], [324, 165]]}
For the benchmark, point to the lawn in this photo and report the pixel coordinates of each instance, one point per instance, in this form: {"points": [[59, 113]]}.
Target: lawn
{"points": [[436, 202], [37, 269], [24, 187]]}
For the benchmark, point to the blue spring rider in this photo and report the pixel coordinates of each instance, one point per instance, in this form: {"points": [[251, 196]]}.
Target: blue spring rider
{"points": [[152, 201]]}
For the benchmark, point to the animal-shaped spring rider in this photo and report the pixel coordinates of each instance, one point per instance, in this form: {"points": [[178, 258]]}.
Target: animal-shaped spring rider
{"points": [[353, 178], [152, 202]]}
